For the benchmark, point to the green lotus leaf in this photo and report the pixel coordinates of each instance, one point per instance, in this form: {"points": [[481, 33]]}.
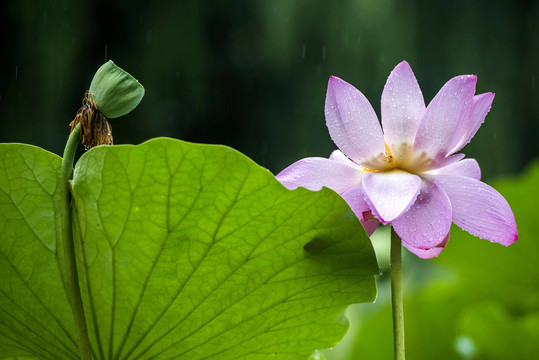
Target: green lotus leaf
{"points": [[195, 252], [184, 251], [35, 315]]}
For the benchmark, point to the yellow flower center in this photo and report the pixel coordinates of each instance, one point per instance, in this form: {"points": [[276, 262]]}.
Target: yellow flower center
{"points": [[388, 158]]}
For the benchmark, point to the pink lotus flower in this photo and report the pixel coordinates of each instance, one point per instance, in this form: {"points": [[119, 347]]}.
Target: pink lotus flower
{"points": [[407, 175]]}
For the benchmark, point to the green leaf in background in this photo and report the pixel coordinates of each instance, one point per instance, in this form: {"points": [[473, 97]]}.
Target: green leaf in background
{"points": [[317, 355], [195, 252], [35, 315], [477, 300], [496, 334]]}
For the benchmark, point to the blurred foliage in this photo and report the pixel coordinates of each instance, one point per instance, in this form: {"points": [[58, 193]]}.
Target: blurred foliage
{"points": [[253, 74], [477, 300]]}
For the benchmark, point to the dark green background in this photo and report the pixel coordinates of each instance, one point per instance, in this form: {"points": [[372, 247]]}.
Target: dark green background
{"points": [[253, 74]]}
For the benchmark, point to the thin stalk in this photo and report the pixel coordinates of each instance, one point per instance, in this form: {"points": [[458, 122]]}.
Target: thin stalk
{"points": [[396, 296], [69, 250]]}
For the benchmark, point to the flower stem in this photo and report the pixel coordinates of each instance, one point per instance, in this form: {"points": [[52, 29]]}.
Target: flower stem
{"points": [[396, 296], [69, 251]]}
